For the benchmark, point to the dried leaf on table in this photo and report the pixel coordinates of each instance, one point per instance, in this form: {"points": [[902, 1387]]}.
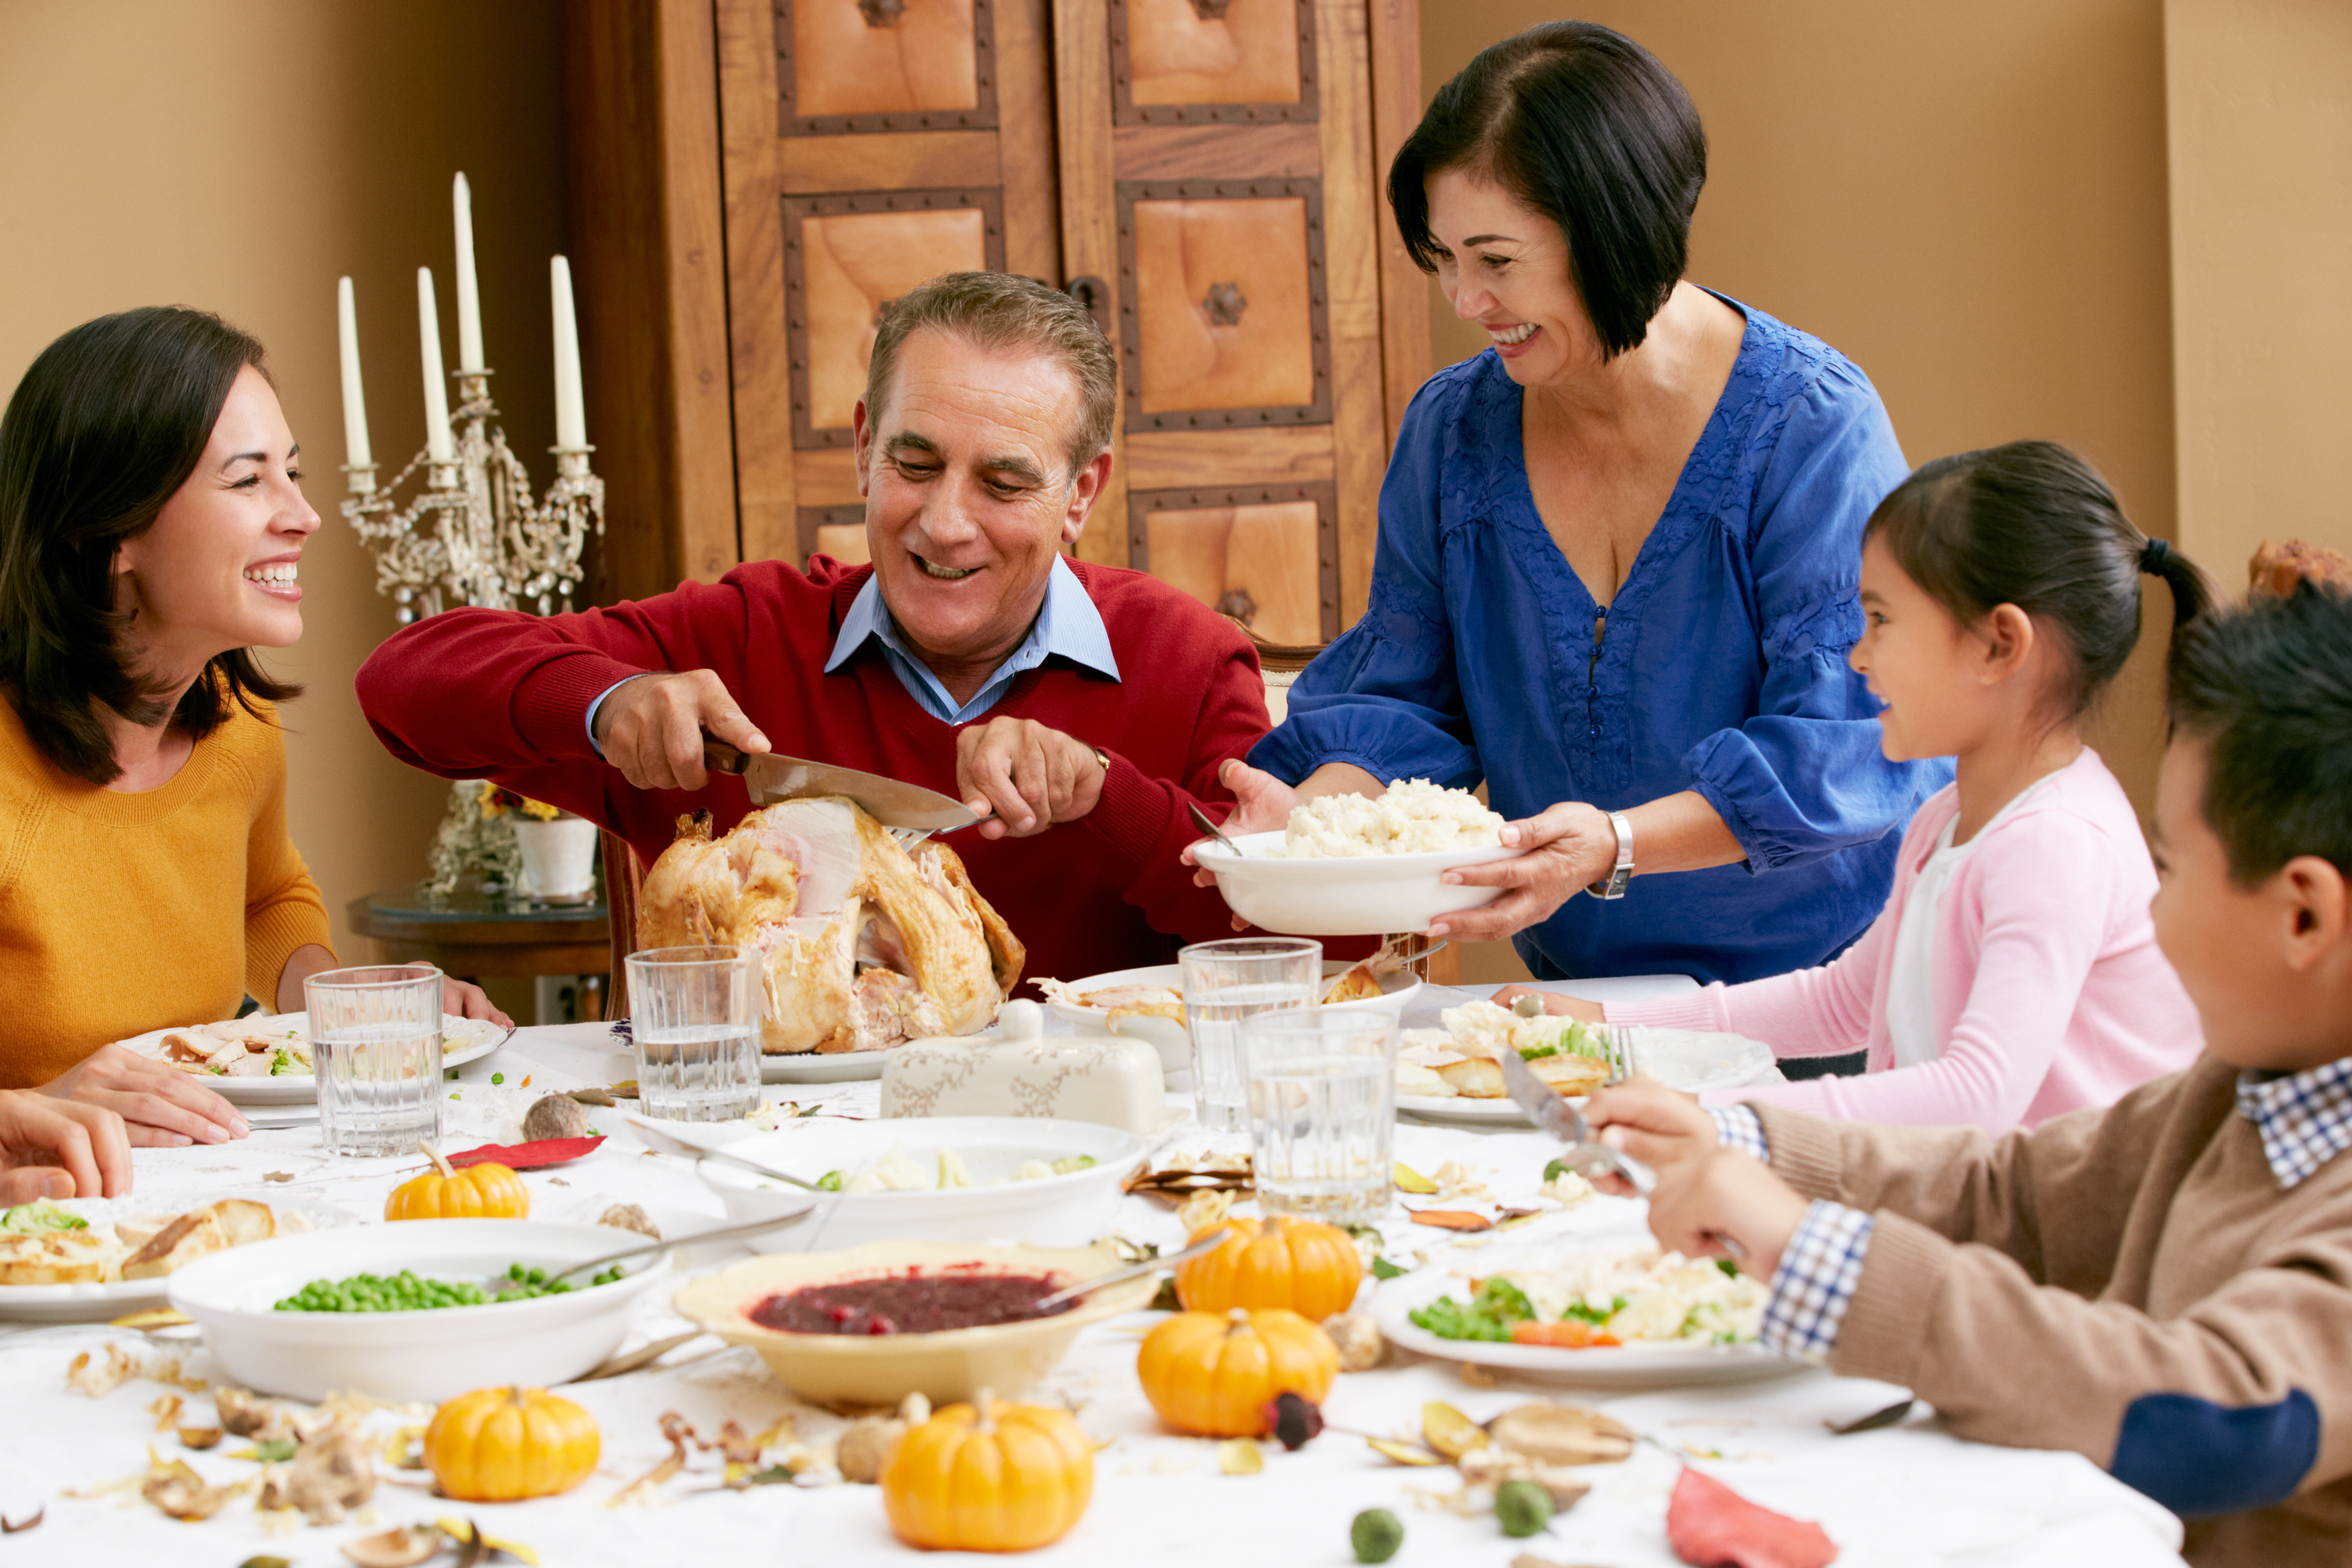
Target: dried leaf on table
{"points": [[242, 1415], [332, 1472], [1451, 1219], [1240, 1456], [1706, 1521], [278, 1175], [199, 1437], [18, 1526], [532, 1156], [645, 1490], [1562, 1435], [1476, 1376], [166, 1412], [1401, 1453], [402, 1546], [178, 1489], [1203, 1210], [1506, 1218], [1409, 1180], [98, 1378], [1450, 1432], [476, 1543]]}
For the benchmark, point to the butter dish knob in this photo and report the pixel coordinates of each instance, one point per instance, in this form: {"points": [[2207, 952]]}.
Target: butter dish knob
{"points": [[1022, 1022]]}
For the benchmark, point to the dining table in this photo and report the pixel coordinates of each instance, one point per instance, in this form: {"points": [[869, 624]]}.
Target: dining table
{"points": [[1903, 1494]]}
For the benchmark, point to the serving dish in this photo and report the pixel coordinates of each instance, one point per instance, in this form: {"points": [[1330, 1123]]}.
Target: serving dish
{"points": [[882, 1369], [430, 1355], [463, 1040], [1356, 894], [1068, 1210], [101, 1301], [1637, 1366]]}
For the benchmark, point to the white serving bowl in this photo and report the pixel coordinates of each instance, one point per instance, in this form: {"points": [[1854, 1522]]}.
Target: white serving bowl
{"points": [[432, 1354], [1356, 894], [1070, 1210]]}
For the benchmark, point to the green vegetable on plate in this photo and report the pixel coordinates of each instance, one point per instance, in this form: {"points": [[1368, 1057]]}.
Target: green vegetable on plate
{"points": [[41, 1215]]}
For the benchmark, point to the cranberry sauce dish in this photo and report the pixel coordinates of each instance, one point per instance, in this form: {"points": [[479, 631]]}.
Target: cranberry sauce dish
{"points": [[915, 1302]]}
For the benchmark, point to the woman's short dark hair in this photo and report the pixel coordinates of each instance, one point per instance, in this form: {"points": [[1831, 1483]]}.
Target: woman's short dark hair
{"points": [[2033, 525], [2267, 685], [107, 424], [1584, 125]]}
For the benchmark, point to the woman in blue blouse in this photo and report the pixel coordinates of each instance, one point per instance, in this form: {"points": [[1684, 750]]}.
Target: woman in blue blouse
{"points": [[1619, 553]]}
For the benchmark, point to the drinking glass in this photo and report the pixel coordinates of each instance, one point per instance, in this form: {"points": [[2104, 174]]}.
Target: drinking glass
{"points": [[695, 1019], [1225, 982], [1322, 1109], [375, 1047]]}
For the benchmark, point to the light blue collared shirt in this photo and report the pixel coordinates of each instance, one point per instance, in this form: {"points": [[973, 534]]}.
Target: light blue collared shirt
{"points": [[1067, 623]]}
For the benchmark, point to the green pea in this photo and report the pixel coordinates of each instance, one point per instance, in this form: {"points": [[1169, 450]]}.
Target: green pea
{"points": [[498, 1078]]}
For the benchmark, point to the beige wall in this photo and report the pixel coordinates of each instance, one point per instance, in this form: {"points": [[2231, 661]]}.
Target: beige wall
{"points": [[239, 155], [1968, 200], [2261, 99]]}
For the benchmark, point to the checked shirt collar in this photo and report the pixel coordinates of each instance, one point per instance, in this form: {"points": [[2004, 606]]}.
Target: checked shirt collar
{"points": [[2304, 1118]]}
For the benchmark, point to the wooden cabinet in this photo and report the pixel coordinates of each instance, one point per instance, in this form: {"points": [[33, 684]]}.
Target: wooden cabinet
{"points": [[1205, 174]]}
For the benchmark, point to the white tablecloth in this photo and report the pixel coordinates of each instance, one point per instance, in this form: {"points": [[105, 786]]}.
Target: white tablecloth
{"points": [[1910, 1494]]}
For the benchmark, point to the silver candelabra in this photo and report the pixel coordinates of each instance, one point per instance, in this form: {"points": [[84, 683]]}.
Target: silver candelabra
{"points": [[474, 535]]}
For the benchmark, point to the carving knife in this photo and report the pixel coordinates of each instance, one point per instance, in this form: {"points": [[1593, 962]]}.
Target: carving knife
{"points": [[889, 801]]}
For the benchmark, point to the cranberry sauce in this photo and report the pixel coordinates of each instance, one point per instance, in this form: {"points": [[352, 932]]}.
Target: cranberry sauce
{"points": [[910, 1303]]}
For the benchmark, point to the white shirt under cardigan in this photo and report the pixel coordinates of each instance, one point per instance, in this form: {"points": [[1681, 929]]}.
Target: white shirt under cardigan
{"points": [[1911, 988]]}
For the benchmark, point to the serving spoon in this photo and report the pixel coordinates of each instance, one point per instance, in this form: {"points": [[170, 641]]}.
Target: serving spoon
{"points": [[1200, 820], [1127, 1271], [501, 1286]]}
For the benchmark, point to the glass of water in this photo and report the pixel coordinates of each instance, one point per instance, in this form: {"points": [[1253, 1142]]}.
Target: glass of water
{"points": [[1322, 1109], [1225, 982], [375, 1047], [694, 1016]]}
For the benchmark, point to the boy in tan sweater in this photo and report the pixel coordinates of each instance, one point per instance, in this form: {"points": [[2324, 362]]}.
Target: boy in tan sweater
{"points": [[2166, 1285]]}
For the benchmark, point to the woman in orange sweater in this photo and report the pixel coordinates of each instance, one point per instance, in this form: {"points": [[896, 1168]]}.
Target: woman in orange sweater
{"points": [[151, 518]]}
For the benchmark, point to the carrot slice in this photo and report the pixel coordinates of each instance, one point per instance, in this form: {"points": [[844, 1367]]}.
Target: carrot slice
{"points": [[1569, 1334], [1451, 1219]]}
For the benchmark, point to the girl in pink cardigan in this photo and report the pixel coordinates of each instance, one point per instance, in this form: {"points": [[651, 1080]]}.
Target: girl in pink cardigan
{"points": [[2014, 974]]}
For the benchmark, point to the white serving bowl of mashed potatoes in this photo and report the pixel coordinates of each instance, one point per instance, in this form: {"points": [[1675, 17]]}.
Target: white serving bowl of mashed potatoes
{"points": [[1357, 865]]}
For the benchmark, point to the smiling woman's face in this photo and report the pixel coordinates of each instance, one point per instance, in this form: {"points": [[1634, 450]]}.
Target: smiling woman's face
{"points": [[216, 571], [1505, 265]]}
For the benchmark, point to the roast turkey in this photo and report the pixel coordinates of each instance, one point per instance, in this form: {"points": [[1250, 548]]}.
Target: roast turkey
{"points": [[861, 944]]}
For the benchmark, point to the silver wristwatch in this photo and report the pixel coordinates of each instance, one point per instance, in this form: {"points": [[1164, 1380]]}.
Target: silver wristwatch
{"points": [[1614, 885]]}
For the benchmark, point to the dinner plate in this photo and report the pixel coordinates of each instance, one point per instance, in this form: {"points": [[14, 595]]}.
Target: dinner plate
{"points": [[1670, 1365], [1687, 1059], [103, 1301], [1397, 989], [802, 1067], [463, 1040]]}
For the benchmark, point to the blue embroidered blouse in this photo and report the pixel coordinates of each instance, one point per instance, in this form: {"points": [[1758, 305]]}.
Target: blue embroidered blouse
{"points": [[1721, 670]]}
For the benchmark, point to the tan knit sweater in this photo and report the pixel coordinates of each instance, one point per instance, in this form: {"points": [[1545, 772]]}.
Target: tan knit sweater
{"points": [[124, 912], [2130, 1283]]}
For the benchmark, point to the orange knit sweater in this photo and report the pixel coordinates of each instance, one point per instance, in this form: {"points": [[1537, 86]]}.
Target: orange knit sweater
{"points": [[125, 912]]}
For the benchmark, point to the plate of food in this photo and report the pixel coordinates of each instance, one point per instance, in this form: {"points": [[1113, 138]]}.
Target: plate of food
{"points": [[1157, 991], [265, 1058], [1355, 864], [1599, 1312], [1453, 1073], [92, 1259]]}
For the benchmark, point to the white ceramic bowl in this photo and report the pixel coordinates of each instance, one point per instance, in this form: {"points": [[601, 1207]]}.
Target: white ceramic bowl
{"points": [[432, 1355], [1357, 895], [1071, 1210]]}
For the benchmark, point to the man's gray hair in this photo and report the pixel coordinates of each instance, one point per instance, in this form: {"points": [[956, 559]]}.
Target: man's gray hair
{"points": [[1003, 309]]}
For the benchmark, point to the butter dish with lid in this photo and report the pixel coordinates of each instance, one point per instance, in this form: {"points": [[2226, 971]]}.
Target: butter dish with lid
{"points": [[1019, 1071]]}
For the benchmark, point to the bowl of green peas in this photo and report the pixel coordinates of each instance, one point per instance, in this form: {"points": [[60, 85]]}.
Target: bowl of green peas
{"points": [[421, 1309]]}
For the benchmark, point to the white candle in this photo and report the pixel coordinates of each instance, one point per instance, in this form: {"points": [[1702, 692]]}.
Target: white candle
{"points": [[355, 435], [571, 417], [469, 291], [438, 447]]}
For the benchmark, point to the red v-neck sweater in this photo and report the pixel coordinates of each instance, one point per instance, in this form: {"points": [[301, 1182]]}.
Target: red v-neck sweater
{"points": [[498, 694]]}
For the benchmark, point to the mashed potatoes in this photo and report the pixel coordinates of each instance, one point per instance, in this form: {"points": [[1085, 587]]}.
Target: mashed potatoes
{"points": [[1414, 818]]}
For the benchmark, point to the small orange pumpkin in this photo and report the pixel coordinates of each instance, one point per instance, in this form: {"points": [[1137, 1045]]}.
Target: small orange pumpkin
{"points": [[486, 1191], [1218, 1374], [989, 1477], [499, 1444], [1310, 1267]]}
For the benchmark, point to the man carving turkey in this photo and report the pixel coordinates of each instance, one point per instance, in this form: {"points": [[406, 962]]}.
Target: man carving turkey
{"points": [[1081, 705]]}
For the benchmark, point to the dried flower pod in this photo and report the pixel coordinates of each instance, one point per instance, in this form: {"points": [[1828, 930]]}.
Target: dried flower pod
{"points": [[332, 1472], [1359, 1339], [865, 1444], [402, 1546], [1293, 1420], [629, 1217], [244, 1416], [1561, 1434]]}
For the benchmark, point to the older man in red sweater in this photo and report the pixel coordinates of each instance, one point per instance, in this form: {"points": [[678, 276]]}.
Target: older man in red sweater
{"points": [[1082, 705]]}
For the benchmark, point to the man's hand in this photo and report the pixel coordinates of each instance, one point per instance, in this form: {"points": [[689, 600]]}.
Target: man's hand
{"points": [[1262, 803], [150, 1103], [52, 1148], [1556, 1003], [652, 728], [1658, 1126], [1727, 1193], [1029, 776], [468, 1000], [1568, 847]]}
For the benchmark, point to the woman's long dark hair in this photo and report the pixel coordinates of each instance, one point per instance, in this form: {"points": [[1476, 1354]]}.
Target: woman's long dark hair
{"points": [[107, 424], [2033, 525]]}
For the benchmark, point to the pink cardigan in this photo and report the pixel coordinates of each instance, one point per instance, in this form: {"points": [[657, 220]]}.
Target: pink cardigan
{"points": [[2050, 991]]}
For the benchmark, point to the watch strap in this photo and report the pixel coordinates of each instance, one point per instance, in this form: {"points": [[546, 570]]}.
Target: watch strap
{"points": [[1614, 885]]}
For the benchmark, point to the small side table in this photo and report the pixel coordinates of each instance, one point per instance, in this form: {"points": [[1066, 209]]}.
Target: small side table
{"points": [[470, 934]]}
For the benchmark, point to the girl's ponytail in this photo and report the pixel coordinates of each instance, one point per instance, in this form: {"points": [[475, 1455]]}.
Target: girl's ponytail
{"points": [[2033, 525]]}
